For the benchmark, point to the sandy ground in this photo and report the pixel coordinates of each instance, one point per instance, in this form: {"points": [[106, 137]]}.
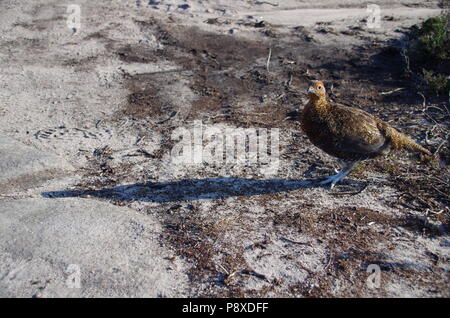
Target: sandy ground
{"points": [[108, 96]]}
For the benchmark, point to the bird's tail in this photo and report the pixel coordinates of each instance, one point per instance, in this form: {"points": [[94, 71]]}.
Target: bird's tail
{"points": [[401, 141]]}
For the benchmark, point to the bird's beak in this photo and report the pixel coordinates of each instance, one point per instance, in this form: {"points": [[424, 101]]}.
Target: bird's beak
{"points": [[311, 90]]}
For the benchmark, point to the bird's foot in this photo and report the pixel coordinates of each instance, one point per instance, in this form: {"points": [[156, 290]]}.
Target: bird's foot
{"points": [[332, 180]]}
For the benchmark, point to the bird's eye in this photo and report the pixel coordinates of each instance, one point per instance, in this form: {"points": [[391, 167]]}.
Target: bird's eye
{"points": [[319, 87]]}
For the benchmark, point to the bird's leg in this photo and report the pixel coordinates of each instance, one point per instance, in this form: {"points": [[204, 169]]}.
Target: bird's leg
{"points": [[340, 163], [347, 167]]}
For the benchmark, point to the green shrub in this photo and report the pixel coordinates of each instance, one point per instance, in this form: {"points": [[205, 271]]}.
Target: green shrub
{"points": [[432, 38], [438, 83], [429, 53]]}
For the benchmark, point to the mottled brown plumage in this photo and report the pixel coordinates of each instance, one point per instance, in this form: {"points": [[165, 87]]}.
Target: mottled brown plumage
{"points": [[347, 133]]}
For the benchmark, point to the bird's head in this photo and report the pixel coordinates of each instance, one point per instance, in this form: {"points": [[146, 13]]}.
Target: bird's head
{"points": [[316, 90]]}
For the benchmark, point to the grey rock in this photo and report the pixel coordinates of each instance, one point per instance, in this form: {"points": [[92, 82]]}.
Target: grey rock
{"points": [[23, 167], [82, 248]]}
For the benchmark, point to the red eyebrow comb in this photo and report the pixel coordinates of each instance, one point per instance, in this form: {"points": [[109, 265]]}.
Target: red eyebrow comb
{"points": [[318, 84]]}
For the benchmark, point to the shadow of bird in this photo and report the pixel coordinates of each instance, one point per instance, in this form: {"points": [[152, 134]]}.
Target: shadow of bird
{"points": [[187, 190]]}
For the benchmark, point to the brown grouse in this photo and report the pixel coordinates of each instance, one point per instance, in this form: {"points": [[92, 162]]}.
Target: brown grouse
{"points": [[347, 133]]}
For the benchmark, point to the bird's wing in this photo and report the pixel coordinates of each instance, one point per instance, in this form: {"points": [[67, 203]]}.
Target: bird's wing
{"points": [[361, 145], [356, 131]]}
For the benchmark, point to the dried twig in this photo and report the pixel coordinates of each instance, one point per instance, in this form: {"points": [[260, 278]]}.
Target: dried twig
{"points": [[428, 132], [288, 84], [440, 145], [266, 2], [439, 179], [224, 269], [280, 97], [268, 59], [424, 103], [227, 280], [284, 239], [250, 113], [253, 273], [424, 109], [406, 57], [393, 91], [139, 139], [439, 109], [329, 262], [351, 192]]}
